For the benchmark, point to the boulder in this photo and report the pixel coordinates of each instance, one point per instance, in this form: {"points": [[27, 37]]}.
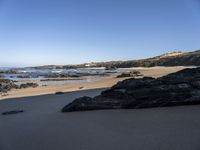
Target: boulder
{"points": [[28, 85], [180, 88], [130, 74], [6, 85]]}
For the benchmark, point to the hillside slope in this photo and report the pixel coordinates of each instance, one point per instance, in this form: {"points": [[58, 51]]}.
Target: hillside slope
{"points": [[171, 59]]}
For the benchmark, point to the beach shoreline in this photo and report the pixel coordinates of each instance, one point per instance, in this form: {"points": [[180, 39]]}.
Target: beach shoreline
{"points": [[43, 126], [103, 82]]}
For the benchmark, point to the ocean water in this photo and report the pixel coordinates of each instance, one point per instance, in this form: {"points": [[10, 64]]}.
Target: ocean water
{"points": [[41, 74]]}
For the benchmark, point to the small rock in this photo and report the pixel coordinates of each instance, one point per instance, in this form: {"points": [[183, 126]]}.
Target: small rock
{"points": [[28, 85], [59, 93], [12, 112]]}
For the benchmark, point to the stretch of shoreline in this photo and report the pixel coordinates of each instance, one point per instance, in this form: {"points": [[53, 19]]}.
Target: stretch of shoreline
{"points": [[102, 83], [42, 126]]}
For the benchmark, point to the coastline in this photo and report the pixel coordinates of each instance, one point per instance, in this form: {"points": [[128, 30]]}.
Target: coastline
{"points": [[105, 82]]}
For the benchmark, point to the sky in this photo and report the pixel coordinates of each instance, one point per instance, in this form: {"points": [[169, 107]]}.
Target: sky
{"points": [[44, 32]]}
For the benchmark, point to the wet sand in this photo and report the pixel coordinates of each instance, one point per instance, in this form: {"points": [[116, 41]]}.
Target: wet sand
{"points": [[43, 127]]}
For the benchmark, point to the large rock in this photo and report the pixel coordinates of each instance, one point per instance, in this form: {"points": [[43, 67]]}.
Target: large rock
{"points": [[181, 88], [6, 85], [130, 74], [28, 85]]}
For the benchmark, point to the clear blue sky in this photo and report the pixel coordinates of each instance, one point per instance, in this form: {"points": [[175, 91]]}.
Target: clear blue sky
{"points": [[41, 32]]}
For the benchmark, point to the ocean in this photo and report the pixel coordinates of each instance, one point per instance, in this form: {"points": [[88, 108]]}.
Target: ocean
{"points": [[30, 74]]}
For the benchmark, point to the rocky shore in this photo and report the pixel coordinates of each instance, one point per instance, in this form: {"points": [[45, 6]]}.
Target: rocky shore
{"points": [[7, 85], [133, 74], [180, 88]]}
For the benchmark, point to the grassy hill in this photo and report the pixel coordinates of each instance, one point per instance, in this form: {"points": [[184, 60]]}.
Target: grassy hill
{"points": [[169, 59]]}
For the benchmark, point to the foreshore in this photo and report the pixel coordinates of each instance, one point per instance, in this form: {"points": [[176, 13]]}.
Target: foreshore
{"points": [[42, 126], [102, 83]]}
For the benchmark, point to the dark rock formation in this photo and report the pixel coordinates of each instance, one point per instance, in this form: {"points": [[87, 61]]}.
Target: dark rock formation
{"points": [[59, 93], [63, 75], [10, 72], [82, 87], [181, 88], [6, 85], [111, 67], [12, 112], [130, 74], [28, 76], [28, 85]]}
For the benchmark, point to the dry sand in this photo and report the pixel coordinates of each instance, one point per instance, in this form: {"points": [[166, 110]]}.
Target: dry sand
{"points": [[43, 127], [103, 83], [157, 71], [108, 82]]}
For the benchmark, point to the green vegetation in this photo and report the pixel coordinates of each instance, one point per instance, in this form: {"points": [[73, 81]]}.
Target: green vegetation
{"points": [[169, 59]]}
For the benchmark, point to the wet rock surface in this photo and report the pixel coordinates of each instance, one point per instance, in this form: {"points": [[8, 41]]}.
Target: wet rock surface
{"points": [[180, 88]]}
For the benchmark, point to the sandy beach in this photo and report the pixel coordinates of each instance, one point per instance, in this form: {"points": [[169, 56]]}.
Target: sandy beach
{"points": [[102, 83], [157, 71], [99, 75], [43, 127]]}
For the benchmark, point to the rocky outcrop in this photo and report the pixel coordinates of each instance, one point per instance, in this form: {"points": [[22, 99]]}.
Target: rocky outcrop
{"points": [[27, 76], [181, 88], [28, 85], [61, 76], [6, 85], [133, 74], [10, 72]]}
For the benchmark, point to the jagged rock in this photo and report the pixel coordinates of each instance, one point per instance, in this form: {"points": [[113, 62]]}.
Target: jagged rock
{"points": [[130, 74], [28, 85], [181, 88], [6, 85]]}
